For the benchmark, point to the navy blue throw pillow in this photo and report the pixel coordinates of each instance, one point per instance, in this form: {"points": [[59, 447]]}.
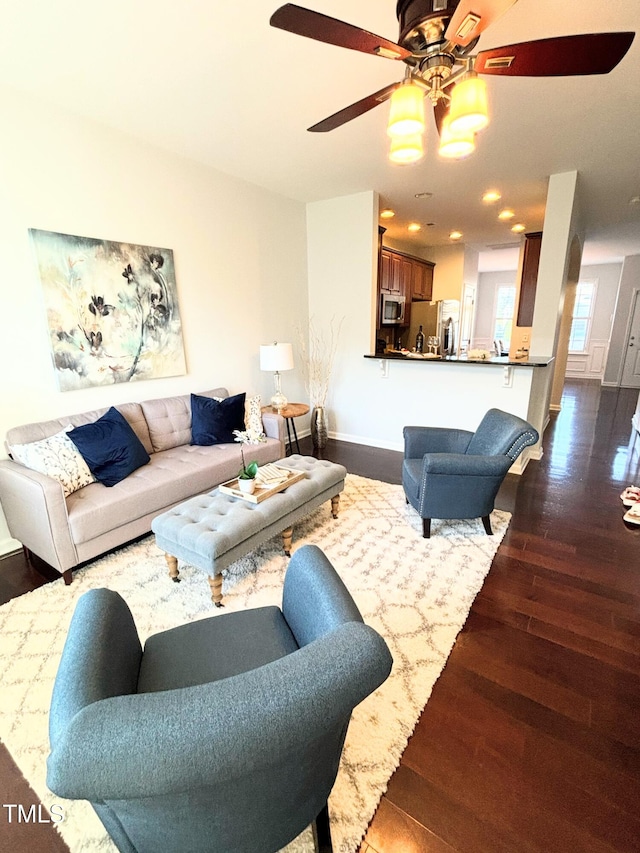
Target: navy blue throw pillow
{"points": [[213, 421], [110, 447]]}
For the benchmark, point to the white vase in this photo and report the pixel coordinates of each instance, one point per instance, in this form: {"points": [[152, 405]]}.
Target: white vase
{"points": [[247, 486]]}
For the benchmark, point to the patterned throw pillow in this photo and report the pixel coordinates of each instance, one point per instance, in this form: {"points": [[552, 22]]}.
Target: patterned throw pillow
{"points": [[253, 416], [57, 457]]}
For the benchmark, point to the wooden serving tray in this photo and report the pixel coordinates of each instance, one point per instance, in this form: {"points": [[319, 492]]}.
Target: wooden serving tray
{"points": [[261, 493]]}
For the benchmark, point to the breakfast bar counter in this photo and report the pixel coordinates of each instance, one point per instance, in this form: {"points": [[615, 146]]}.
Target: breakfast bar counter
{"points": [[499, 361]]}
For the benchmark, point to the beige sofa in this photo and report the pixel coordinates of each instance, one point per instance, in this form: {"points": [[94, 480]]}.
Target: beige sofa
{"points": [[65, 532]]}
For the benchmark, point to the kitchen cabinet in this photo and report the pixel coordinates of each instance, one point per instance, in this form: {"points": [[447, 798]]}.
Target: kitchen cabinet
{"points": [[529, 280], [406, 276], [422, 281], [389, 273]]}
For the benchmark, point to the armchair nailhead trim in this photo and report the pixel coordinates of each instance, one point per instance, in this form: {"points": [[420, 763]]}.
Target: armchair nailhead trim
{"points": [[527, 438]]}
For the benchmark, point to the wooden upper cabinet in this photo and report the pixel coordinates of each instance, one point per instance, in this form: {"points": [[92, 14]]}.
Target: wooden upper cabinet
{"points": [[396, 274], [404, 275], [529, 280], [422, 281], [385, 272]]}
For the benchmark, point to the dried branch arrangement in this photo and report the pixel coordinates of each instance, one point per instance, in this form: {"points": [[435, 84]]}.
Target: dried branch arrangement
{"points": [[317, 358]]}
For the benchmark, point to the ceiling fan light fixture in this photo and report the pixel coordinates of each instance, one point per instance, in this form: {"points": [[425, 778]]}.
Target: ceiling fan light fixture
{"points": [[406, 114], [406, 149], [455, 146], [469, 109]]}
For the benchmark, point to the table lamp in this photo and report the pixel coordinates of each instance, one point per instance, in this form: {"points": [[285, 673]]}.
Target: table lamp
{"points": [[277, 357]]}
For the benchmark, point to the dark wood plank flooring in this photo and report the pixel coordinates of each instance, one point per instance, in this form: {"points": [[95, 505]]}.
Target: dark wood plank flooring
{"points": [[531, 739]]}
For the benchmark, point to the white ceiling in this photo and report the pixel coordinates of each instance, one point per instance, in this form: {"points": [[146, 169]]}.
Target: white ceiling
{"points": [[214, 82]]}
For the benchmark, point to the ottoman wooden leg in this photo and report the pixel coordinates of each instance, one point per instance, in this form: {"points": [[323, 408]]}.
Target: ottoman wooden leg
{"points": [[287, 535], [335, 505], [172, 562], [215, 585]]}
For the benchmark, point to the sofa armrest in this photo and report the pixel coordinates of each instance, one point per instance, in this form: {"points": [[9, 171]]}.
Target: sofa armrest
{"points": [[36, 512], [273, 425]]}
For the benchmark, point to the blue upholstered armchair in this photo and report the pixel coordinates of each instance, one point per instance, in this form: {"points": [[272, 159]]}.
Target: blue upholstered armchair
{"points": [[224, 735], [454, 473]]}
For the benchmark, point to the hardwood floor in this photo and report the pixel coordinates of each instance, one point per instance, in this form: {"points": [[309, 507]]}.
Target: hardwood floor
{"points": [[530, 741]]}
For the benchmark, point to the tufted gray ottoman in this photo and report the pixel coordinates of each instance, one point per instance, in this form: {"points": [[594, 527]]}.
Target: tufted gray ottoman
{"points": [[213, 530]]}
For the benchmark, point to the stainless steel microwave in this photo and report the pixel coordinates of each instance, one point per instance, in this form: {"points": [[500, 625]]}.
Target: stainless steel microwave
{"points": [[391, 310]]}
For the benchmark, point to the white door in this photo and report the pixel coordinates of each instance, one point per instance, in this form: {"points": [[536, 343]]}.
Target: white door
{"points": [[631, 364]]}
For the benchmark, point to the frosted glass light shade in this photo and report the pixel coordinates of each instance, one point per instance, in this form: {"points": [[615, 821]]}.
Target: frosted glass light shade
{"points": [[406, 114], [455, 146], [276, 357], [406, 149], [469, 111]]}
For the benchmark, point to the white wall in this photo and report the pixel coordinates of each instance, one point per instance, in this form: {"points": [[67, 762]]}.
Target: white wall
{"points": [[239, 251], [591, 364], [364, 405]]}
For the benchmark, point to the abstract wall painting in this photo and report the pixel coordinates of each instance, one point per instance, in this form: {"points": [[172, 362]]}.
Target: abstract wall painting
{"points": [[112, 310]]}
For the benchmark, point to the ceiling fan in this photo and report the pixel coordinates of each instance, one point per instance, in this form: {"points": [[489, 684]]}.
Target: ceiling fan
{"points": [[436, 41]]}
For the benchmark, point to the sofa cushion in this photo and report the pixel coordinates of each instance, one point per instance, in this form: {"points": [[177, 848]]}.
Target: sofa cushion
{"points": [[110, 447], [57, 457], [214, 421], [169, 419], [171, 477]]}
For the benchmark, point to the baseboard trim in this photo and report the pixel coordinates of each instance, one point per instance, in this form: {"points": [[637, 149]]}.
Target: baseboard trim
{"points": [[9, 546], [370, 442]]}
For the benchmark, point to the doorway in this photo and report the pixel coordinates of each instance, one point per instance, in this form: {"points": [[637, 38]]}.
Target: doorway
{"points": [[631, 364]]}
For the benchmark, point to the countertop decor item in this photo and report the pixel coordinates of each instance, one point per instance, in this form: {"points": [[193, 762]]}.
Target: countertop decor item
{"points": [[277, 357]]}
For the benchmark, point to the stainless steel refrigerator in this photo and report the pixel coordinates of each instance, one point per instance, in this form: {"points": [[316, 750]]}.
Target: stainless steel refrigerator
{"points": [[438, 319]]}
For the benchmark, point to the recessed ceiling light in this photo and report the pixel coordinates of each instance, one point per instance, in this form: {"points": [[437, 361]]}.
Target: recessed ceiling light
{"points": [[414, 226], [387, 213], [455, 235], [506, 214], [490, 196], [518, 228], [423, 195]]}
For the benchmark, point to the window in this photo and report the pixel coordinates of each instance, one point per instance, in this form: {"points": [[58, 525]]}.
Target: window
{"points": [[505, 304], [582, 314]]}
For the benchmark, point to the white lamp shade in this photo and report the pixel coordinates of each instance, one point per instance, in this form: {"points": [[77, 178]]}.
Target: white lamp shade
{"points": [[276, 357]]}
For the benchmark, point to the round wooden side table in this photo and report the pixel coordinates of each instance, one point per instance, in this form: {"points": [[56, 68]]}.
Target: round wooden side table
{"points": [[289, 412]]}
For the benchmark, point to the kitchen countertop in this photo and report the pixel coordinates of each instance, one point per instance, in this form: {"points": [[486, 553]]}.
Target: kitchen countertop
{"points": [[500, 361]]}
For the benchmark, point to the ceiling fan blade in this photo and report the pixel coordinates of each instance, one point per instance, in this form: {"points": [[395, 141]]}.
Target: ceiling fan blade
{"points": [[313, 25], [597, 53], [355, 110], [439, 111], [473, 17]]}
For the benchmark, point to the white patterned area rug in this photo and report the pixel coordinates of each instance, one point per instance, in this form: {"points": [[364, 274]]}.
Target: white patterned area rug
{"points": [[416, 592]]}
